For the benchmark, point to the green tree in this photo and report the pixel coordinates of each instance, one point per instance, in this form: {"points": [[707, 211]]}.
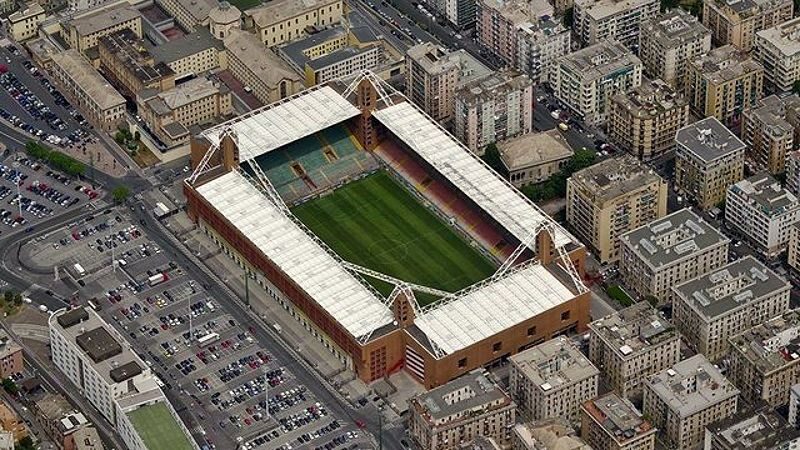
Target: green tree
{"points": [[119, 137], [10, 386], [25, 443], [121, 194], [17, 298], [8, 297], [491, 156]]}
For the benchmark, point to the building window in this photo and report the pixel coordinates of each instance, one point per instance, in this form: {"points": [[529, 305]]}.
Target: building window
{"points": [[565, 316], [532, 331], [462, 363], [497, 346]]}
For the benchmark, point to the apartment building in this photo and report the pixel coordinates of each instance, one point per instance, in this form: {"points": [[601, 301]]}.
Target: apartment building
{"points": [[223, 18], [85, 438], [11, 361], [24, 23], [644, 120], [758, 427], [523, 34], [768, 134], [682, 400], [618, 20], [793, 249], [125, 60], [83, 33], [778, 51], [190, 14], [433, 75], [737, 22], [493, 109], [631, 344], [725, 302], [763, 211], [534, 157], [610, 198], [613, 423], [267, 76], [586, 80], [668, 251], [457, 412], [793, 172], [548, 434], [97, 100], [170, 113], [282, 21], [552, 379], [99, 362], [193, 54], [763, 360], [668, 42], [708, 159], [723, 83], [794, 405]]}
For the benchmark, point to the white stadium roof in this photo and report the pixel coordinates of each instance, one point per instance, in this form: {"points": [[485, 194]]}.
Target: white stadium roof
{"points": [[469, 174], [263, 130], [297, 254], [495, 307]]}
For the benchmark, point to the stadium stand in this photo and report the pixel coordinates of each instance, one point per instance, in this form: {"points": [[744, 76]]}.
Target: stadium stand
{"points": [[467, 217], [315, 163]]}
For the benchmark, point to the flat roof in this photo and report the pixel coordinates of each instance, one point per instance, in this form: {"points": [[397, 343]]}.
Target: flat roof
{"points": [[337, 56], [671, 238], [600, 60], [725, 63], [766, 193], [300, 256], [99, 344], [691, 386], [74, 64], [515, 212], [130, 50], [263, 130], [634, 330], [613, 177], [618, 417], [259, 60], [761, 428], [708, 139], [280, 10], [771, 345], [104, 19], [601, 9], [477, 392], [783, 37], [534, 149], [158, 428], [675, 28], [197, 41], [554, 364], [730, 288], [770, 113], [651, 99]]}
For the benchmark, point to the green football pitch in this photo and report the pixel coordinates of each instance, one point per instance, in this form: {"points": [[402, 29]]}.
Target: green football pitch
{"points": [[375, 223]]}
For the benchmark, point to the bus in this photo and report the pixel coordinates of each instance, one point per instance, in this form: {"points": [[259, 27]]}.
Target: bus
{"points": [[208, 339]]}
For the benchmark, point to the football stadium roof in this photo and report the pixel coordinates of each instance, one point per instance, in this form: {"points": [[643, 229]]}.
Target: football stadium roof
{"points": [[481, 313], [358, 309], [263, 130], [469, 174]]}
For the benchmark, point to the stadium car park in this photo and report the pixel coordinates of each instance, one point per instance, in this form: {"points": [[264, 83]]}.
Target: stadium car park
{"points": [[188, 339]]}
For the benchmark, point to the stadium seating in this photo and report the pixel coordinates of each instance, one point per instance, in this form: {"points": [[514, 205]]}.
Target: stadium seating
{"points": [[340, 140]]}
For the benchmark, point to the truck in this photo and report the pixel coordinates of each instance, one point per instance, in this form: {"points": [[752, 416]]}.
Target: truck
{"points": [[157, 279], [43, 308], [79, 270]]}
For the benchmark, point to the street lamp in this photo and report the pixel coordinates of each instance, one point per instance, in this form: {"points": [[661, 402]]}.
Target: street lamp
{"points": [[15, 165]]}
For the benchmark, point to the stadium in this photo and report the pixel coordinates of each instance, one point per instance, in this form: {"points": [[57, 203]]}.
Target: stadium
{"points": [[389, 240]]}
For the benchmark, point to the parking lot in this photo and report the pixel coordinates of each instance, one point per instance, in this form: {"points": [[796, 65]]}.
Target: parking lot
{"points": [[199, 351]]}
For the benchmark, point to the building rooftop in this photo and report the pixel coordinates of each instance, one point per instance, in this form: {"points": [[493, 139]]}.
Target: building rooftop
{"points": [[549, 434], [31, 9], [533, 149], [771, 345], [650, 99], [104, 19], [460, 398], [554, 364], [759, 428], [675, 28], [225, 13], [770, 114], [730, 288], [280, 10], [102, 344], [435, 60], [613, 177], [264, 64], [600, 60], [691, 386], [602, 9], [633, 330], [766, 193], [491, 86], [618, 417], [198, 9], [725, 63], [87, 438], [198, 40], [338, 56], [84, 74], [130, 50], [671, 238], [184, 94], [784, 37], [53, 406], [521, 12], [708, 139], [297, 51]]}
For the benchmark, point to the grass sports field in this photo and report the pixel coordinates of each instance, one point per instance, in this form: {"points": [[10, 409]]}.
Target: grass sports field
{"points": [[375, 223], [158, 428]]}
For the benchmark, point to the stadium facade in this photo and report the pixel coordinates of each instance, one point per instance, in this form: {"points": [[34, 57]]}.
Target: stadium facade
{"points": [[249, 173]]}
